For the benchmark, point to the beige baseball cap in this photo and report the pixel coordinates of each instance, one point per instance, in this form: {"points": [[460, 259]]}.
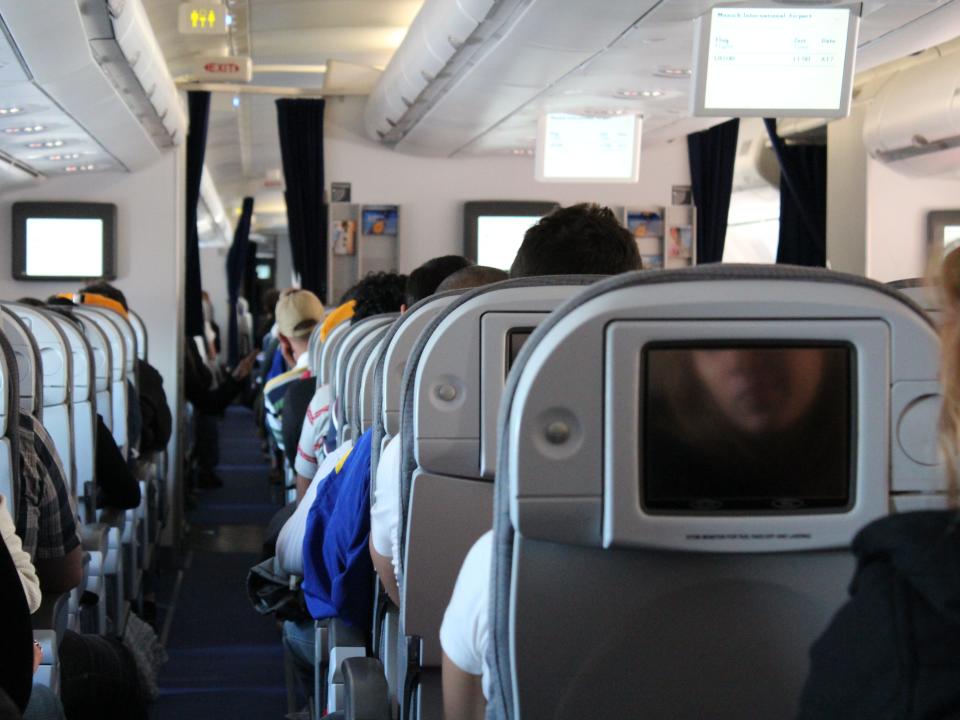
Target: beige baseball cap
{"points": [[298, 312]]}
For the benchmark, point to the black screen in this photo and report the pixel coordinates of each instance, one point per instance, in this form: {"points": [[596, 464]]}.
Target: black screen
{"points": [[516, 339], [747, 427]]}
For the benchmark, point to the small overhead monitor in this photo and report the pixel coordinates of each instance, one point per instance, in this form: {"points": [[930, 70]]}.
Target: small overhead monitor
{"points": [[64, 241], [775, 61], [588, 148], [493, 231]]}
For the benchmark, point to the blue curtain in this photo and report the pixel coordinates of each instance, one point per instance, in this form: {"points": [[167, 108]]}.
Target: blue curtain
{"points": [[712, 153], [803, 201], [236, 271], [300, 123], [199, 103]]}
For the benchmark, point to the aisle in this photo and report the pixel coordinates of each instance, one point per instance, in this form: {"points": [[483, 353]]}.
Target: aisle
{"points": [[225, 660]]}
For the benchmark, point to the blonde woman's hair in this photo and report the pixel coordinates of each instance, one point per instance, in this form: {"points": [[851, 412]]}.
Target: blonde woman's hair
{"points": [[948, 284]]}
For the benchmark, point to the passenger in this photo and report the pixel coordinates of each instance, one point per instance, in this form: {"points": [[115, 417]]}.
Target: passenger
{"points": [[14, 678], [385, 511], [581, 239], [298, 312], [98, 675], [332, 522], [423, 281], [893, 650]]}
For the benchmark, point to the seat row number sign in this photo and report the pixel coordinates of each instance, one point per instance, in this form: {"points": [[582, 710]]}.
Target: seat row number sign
{"points": [[202, 19]]}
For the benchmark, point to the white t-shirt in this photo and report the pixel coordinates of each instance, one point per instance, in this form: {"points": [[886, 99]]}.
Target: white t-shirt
{"points": [[310, 448], [290, 539], [464, 633], [385, 511]]}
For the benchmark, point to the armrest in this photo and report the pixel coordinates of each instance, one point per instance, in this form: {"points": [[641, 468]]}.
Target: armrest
{"points": [[365, 693], [94, 536], [344, 642]]}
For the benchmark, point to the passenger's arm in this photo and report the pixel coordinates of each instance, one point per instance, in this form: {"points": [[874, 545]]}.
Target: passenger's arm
{"points": [[384, 567], [462, 693], [62, 574], [118, 487], [303, 483]]}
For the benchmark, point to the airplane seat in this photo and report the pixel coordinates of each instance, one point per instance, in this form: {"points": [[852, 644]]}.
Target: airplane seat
{"points": [[140, 328], [313, 350], [118, 371], [9, 423], [328, 353], [685, 458], [356, 366], [368, 387], [923, 293], [450, 398], [27, 355], [345, 349], [102, 354], [390, 363]]}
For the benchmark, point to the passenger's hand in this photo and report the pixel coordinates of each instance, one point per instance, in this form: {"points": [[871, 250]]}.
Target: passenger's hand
{"points": [[244, 367], [37, 656]]}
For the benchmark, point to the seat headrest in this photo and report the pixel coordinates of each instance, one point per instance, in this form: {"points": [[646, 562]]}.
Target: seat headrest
{"points": [[721, 409]]}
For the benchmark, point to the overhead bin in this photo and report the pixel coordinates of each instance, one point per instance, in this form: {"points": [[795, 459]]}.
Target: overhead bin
{"points": [[912, 123], [101, 64]]}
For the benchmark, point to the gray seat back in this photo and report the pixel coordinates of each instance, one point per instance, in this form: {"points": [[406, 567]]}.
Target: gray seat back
{"points": [[923, 293], [140, 328], [313, 350], [670, 538], [130, 349], [388, 380], [83, 411], [9, 423], [368, 386], [354, 379], [56, 365], [102, 356], [118, 372], [345, 350], [328, 353], [451, 393], [27, 354]]}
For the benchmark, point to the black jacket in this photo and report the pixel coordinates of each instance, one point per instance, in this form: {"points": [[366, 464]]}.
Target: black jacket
{"points": [[893, 651], [156, 420]]}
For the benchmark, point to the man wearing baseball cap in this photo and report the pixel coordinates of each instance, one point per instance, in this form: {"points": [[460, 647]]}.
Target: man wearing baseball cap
{"points": [[297, 313]]}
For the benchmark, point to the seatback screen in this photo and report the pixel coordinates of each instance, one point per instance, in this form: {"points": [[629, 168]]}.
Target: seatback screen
{"points": [[747, 427], [516, 339]]}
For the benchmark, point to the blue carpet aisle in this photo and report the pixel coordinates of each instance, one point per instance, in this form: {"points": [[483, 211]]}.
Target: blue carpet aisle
{"points": [[225, 660]]}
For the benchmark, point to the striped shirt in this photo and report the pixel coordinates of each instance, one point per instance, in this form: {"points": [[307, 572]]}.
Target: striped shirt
{"points": [[275, 392], [46, 517], [316, 424]]}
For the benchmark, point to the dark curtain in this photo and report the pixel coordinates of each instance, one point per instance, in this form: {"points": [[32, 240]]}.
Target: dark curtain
{"points": [[196, 148], [300, 123], [803, 201], [236, 272], [712, 153]]}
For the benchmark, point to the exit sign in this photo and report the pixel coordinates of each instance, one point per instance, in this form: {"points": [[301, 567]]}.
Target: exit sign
{"points": [[208, 18]]}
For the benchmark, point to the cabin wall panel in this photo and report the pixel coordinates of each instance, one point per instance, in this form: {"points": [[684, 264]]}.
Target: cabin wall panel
{"points": [[150, 223], [431, 191]]}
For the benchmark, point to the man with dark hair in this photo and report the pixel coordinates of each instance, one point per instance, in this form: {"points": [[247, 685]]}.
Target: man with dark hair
{"points": [[472, 277], [379, 293], [583, 239], [586, 239], [423, 281]]}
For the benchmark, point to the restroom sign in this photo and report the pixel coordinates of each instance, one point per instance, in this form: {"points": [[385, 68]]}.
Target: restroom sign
{"points": [[208, 18]]}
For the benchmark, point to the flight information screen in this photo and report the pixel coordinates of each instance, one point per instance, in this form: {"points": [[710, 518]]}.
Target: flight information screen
{"points": [[64, 247], [500, 236], [777, 60], [588, 148], [747, 428]]}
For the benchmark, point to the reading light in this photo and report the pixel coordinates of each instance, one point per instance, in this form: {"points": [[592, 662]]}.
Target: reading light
{"points": [[9, 110], [236, 101], [670, 71]]}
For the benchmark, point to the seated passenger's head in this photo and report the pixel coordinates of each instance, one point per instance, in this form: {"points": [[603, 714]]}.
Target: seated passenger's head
{"points": [[107, 290], [582, 239], [378, 293], [298, 312], [472, 277], [423, 281]]}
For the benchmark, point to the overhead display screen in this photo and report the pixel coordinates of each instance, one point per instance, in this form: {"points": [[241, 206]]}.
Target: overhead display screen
{"points": [[775, 62], [63, 240], [583, 148], [500, 236], [747, 428]]}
